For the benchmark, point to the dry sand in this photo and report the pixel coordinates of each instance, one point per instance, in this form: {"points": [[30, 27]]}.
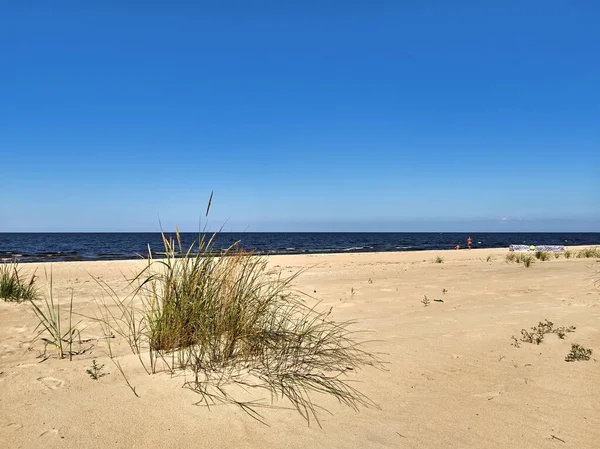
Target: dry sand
{"points": [[453, 381]]}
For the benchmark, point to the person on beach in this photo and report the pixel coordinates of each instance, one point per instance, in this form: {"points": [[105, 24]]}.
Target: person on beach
{"points": [[469, 241], [458, 246]]}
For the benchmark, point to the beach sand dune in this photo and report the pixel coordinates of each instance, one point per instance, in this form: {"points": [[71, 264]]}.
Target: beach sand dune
{"points": [[453, 379]]}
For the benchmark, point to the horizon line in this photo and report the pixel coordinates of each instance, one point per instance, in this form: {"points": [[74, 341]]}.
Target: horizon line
{"points": [[303, 232]]}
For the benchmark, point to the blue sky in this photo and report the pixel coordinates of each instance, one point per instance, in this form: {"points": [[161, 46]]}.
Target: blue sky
{"points": [[370, 116]]}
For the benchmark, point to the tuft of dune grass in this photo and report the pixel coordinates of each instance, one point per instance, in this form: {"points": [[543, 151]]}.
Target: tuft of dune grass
{"points": [[542, 255], [526, 260], [591, 252], [567, 254], [51, 329], [225, 319], [14, 285]]}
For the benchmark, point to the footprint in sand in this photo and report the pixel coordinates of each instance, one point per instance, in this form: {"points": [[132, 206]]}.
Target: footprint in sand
{"points": [[27, 365], [489, 395], [49, 434], [52, 382], [13, 426]]}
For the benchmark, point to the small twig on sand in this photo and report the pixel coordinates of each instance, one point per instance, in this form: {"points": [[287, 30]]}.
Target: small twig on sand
{"points": [[556, 438], [120, 368], [85, 340]]}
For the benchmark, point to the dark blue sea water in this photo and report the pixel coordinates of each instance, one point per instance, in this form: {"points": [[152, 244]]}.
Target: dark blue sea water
{"points": [[35, 247]]}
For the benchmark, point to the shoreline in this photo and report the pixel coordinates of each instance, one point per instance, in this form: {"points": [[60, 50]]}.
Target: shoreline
{"points": [[158, 255], [414, 255], [76, 247]]}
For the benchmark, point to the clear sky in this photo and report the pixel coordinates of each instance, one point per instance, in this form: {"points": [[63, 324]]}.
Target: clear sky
{"points": [[308, 115]]}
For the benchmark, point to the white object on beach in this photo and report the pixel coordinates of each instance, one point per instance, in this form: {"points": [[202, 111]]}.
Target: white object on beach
{"points": [[528, 248]]}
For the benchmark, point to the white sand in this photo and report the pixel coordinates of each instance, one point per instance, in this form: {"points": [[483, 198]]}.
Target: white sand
{"points": [[453, 381]]}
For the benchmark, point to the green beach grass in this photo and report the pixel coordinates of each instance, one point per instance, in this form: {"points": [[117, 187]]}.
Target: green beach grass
{"points": [[15, 286], [225, 320]]}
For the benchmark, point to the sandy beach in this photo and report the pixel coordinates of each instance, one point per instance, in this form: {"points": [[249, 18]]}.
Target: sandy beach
{"points": [[452, 378]]}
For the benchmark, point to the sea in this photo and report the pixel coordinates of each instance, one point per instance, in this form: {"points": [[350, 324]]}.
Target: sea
{"points": [[48, 247]]}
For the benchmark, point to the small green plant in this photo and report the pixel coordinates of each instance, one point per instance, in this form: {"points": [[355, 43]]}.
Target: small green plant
{"points": [[439, 259], [562, 331], [51, 329], [14, 286], [532, 337], [557, 255], [578, 353], [516, 343], [489, 258], [511, 257], [425, 300], [542, 255], [537, 333], [567, 254], [587, 253], [444, 290], [95, 371]]}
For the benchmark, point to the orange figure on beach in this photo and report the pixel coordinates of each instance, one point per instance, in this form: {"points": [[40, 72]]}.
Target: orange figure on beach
{"points": [[457, 246], [469, 241]]}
